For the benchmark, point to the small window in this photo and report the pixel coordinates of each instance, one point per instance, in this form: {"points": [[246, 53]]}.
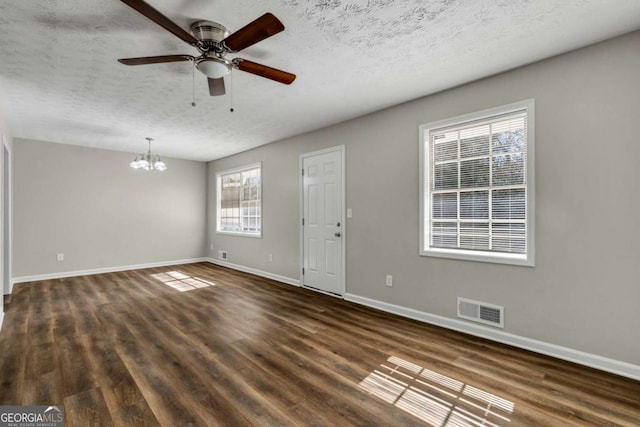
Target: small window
{"points": [[239, 196], [476, 178]]}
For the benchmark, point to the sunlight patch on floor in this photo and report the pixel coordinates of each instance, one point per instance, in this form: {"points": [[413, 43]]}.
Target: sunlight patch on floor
{"points": [[181, 282], [435, 398]]}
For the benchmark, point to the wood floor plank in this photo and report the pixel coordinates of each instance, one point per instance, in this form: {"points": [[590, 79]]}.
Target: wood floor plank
{"points": [[165, 402], [203, 345], [121, 393], [316, 399], [87, 408], [135, 416], [339, 391], [168, 361], [249, 379], [48, 388], [212, 383]]}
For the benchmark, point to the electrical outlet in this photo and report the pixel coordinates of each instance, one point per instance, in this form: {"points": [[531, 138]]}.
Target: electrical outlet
{"points": [[389, 280], [211, 247], [60, 257], [270, 257], [222, 255]]}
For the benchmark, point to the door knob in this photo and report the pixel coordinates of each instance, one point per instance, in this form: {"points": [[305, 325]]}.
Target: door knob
{"points": [[337, 234]]}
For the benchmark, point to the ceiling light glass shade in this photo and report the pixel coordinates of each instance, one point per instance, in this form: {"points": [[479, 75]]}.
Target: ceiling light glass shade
{"points": [[135, 163], [159, 165], [214, 67]]}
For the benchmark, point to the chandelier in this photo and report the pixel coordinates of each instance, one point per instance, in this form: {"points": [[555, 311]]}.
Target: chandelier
{"points": [[148, 162]]}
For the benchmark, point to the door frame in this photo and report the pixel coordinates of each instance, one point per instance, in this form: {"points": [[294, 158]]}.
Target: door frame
{"points": [[342, 151], [6, 216]]}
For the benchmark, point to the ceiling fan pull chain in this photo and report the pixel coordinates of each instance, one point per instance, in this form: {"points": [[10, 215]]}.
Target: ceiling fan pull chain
{"points": [[231, 90], [193, 84]]}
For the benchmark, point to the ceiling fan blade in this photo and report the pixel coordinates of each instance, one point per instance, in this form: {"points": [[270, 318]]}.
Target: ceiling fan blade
{"points": [[155, 59], [216, 86], [264, 71], [161, 20], [258, 30]]}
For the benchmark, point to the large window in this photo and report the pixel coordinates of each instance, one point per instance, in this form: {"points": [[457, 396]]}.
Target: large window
{"points": [[477, 186], [239, 198]]}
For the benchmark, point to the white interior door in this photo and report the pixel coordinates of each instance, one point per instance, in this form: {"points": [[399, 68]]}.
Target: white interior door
{"points": [[322, 221]]}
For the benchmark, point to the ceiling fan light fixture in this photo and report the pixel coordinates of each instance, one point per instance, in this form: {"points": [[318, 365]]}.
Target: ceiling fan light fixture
{"points": [[213, 67]]}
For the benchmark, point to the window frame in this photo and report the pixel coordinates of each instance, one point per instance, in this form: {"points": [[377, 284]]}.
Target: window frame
{"points": [[219, 176], [526, 259]]}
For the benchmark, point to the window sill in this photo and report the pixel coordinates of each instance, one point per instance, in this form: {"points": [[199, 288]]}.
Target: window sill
{"points": [[240, 234], [496, 258]]}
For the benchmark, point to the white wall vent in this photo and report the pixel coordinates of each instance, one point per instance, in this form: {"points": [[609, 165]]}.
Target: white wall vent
{"points": [[481, 312], [222, 255]]}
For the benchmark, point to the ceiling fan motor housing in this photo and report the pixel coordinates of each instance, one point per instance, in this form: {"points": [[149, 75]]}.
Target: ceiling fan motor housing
{"points": [[210, 34]]}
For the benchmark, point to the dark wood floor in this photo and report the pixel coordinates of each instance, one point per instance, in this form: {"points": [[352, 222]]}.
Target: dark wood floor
{"points": [[203, 345]]}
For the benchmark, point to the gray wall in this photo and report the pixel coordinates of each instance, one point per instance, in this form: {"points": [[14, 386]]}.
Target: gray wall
{"points": [[583, 292], [90, 205]]}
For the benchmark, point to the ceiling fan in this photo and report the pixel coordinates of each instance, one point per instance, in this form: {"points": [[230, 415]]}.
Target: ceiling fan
{"points": [[214, 42]]}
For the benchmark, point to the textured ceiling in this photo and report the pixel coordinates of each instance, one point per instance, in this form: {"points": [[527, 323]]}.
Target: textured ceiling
{"points": [[60, 82]]}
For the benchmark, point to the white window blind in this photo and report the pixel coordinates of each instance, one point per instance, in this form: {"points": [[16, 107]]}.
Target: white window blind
{"points": [[239, 201], [476, 186]]}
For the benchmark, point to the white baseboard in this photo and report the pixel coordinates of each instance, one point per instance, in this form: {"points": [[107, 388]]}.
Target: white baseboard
{"points": [[64, 274], [587, 359], [276, 277]]}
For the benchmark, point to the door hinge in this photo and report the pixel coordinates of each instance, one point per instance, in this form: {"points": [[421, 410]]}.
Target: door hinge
{"points": [[303, 271], [302, 172], [303, 221]]}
